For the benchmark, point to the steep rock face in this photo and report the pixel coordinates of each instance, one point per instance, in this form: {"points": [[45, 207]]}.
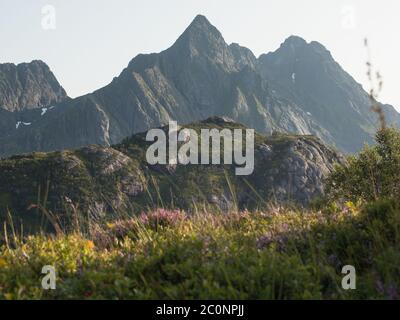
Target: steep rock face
{"points": [[198, 77], [100, 182], [88, 182], [307, 74], [74, 126], [304, 164], [28, 86], [298, 89]]}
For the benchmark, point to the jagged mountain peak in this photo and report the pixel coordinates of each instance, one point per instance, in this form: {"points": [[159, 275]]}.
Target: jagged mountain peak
{"points": [[39, 64], [299, 89], [201, 23], [296, 45], [36, 62], [201, 20], [294, 40], [308, 75], [295, 50], [199, 29], [28, 86], [200, 38]]}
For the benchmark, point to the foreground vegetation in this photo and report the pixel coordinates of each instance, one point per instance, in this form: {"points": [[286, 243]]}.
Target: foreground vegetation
{"points": [[170, 255], [279, 253]]}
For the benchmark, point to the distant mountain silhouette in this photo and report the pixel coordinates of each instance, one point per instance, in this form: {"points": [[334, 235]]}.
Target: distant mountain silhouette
{"points": [[297, 89]]}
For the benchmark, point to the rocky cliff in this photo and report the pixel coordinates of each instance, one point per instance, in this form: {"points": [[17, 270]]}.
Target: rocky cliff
{"points": [[28, 86], [306, 74], [100, 182], [299, 89]]}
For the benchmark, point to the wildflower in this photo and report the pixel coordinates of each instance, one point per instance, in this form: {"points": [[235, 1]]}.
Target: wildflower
{"points": [[110, 225], [3, 263], [89, 244], [350, 207], [390, 291], [264, 241], [162, 217], [285, 227], [280, 239]]}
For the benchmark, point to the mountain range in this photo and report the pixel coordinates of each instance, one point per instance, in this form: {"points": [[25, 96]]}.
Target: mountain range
{"points": [[298, 89]]}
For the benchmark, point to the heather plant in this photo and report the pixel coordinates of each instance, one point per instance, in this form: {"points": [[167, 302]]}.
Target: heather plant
{"points": [[162, 218], [275, 254]]}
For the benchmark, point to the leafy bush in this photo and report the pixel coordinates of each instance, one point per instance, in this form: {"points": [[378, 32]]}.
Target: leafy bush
{"points": [[372, 174]]}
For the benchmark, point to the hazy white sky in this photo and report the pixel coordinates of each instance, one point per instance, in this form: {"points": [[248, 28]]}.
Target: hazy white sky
{"points": [[94, 40]]}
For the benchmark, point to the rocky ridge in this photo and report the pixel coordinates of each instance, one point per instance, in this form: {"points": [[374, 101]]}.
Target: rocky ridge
{"points": [[100, 182], [28, 86], [299, 89]]}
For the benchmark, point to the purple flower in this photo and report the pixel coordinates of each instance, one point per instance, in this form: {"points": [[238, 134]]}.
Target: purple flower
{"points": [[265, 241], [279, 240], [390, 292], [162, 217], [285, 227]]}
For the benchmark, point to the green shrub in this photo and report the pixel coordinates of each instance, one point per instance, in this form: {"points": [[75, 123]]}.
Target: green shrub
{"points": [[372, 174]]}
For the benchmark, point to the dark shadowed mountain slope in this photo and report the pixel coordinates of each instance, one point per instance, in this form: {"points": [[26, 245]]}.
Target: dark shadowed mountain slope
{"points": [[202, 76], [100, 182], [28, 86]]}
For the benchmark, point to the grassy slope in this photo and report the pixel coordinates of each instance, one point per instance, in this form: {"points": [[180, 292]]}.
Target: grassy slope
{"points": [[48, 179], [281, 254]]}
